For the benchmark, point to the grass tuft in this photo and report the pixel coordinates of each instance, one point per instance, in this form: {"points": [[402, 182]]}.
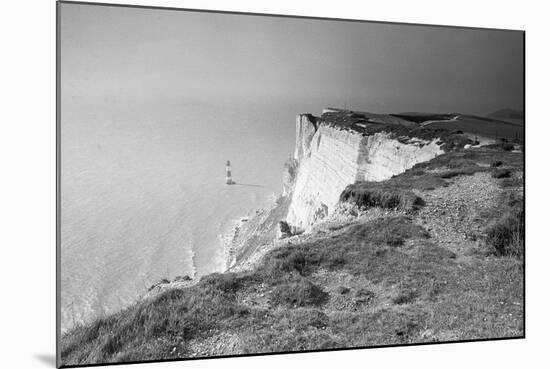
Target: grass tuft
{"points": [[375, 194], [298, 293], [405, 297], [508, 233], [501, 173]]}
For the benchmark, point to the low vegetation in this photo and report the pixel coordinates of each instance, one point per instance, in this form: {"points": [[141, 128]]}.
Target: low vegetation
{"points": [[507, 234], [300, 292], [381, 195], [501, 173]]}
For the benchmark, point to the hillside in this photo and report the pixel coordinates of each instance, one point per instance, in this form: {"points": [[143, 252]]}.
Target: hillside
{"points": [[494, 126], [428, 250]]}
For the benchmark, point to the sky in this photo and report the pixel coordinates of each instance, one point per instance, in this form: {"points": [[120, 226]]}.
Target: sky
{"points": [[146, 55]]}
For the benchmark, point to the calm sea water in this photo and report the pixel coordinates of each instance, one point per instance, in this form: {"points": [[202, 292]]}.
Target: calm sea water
{"points": [[143, 194]]}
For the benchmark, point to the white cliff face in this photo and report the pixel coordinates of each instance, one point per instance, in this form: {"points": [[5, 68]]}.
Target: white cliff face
{"points": [[329, 159], [305, 130], [380, 156], [290, 172], [328, 167]]}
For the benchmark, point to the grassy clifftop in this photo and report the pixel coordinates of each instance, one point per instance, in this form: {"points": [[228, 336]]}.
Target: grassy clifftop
{"points": [[368, 124], [447, 128], [434, 254]]}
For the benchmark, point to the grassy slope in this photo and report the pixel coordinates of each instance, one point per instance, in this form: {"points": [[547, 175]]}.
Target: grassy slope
{"points": [[394, 279]]}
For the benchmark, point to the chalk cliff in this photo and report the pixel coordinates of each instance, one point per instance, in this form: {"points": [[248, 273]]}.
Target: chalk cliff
{"points": [[332, 151], [340, 148]]}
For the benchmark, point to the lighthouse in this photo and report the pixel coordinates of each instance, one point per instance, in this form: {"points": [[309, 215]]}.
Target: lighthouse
{"points": [[228, 179]]}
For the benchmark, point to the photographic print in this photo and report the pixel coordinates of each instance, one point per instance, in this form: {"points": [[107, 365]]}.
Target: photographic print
{"points": [[239, 184]]}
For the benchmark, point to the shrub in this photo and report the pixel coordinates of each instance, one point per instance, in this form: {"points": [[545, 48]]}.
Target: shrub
{"points": [[501, 173], [364, 295], [342, 290], [497, 163], [508, 233], [183, 278], [284, 261], [299, 293], [368, 194], [404, 297], [159, 283], [224, 282], [392, 239]]}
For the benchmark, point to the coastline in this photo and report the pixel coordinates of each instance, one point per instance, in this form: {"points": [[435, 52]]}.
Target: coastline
{"points": [[234, 240], [229, 239], [242, 232]]}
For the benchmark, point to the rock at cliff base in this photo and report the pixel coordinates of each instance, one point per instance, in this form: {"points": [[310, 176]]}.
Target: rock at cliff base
{"points": [[283, 230]]}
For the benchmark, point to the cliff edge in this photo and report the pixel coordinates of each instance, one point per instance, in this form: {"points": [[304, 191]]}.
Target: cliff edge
{"points": [[332, 151], [343, 147]]}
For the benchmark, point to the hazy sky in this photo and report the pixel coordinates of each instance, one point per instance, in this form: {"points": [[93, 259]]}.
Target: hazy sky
{"points": [[128, 54]]}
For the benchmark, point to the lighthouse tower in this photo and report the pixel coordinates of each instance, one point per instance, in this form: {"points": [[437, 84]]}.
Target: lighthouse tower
{"points": [[228, 179]]}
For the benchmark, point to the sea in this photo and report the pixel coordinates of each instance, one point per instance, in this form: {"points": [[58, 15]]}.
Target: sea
{"points": [[143, 193]]}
